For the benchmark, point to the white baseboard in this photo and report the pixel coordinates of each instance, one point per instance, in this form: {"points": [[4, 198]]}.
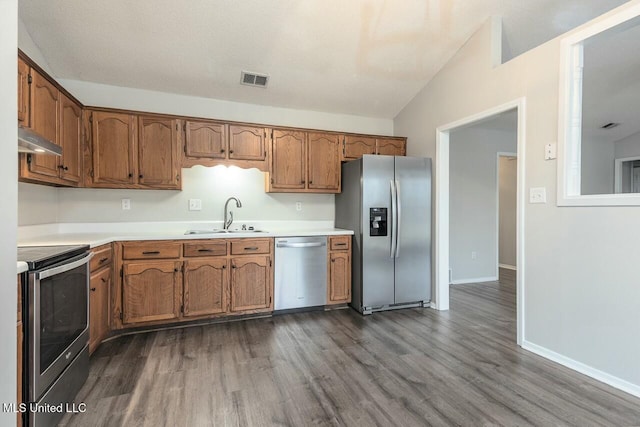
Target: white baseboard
{"points": [[474, 280], [507, 266], [587, 370]]}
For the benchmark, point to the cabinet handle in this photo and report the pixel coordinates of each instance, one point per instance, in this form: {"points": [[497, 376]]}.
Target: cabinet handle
{"points": [[150, 252], [93, 289], [230, 151], [102, 260], [339, 244], [333, 260], [222, 151], [175, 270], [302, 182], [224, 267], [130, 175], [103, 280], [66, 168], [310, 182], [251, 248], [140, 176], [205, 250], [233, 266]]}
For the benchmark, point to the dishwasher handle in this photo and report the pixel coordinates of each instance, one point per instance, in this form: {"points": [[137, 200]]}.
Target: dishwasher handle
{"points": [[301, 245]]}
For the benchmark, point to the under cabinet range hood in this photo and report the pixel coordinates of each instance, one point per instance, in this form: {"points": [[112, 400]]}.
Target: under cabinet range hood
{"points": [[31, 142]]}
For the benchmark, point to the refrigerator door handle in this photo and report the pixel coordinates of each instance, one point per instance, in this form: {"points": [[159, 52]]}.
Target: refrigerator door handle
{"points": [[394, 225], [398, 218]]}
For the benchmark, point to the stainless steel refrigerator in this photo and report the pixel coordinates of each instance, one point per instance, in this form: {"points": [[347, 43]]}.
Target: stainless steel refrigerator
{"points": [[386, 200]]}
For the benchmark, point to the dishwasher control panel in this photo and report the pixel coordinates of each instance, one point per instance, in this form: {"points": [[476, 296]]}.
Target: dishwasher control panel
{"points": [[377, 221]]}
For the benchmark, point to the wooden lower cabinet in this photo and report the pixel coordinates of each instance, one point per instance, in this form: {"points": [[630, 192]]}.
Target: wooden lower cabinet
{"points": [[151, 291], [99, 285], [198, 279], [251, 283], [339, 270], [205, 286]]}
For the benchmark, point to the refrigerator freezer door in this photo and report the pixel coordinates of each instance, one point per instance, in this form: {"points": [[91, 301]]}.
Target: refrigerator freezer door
{"points": [[377, 260], [413, 262]]}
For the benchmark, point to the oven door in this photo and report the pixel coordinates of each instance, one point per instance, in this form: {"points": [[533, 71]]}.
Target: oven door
{"points": [[58, 320]]}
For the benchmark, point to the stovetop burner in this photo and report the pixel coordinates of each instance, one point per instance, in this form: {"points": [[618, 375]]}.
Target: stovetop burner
{"points": [[38, 257]]}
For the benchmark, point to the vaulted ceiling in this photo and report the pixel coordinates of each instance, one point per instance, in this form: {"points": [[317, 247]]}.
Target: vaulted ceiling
{"points": [[362, 57]]}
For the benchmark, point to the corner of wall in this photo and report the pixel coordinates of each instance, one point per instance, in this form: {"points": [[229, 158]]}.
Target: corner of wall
{"points": [[28, 46]]}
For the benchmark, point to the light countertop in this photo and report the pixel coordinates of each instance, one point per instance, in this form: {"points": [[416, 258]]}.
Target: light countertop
{"points": [[100, 234], [22, 267]]}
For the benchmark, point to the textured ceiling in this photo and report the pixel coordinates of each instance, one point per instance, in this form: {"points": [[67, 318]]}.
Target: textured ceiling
{"points": [[363, 57]]}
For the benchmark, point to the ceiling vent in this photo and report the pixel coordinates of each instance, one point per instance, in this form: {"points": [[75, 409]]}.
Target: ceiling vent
{"points": [[610, 125], [253, 79]]}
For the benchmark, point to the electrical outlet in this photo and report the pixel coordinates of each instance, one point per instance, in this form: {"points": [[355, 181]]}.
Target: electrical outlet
{"points": [[298, 206], [126, 204], [538, 195], [474, 255], [550, 152], [195, 204]]}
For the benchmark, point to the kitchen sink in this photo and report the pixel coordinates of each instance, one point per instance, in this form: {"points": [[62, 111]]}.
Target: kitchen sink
{"points": [[218, 231]]}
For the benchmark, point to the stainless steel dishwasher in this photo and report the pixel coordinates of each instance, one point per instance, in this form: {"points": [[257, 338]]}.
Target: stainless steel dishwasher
{"points": [[301, 272]]}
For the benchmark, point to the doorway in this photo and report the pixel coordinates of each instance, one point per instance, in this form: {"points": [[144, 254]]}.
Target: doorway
{"points": [[442, 202]]}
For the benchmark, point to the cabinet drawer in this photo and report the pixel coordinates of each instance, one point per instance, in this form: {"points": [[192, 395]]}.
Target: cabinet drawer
{"points": [[340, 243], [102, 255], [150, 250], [250, 246], [218, 248]]}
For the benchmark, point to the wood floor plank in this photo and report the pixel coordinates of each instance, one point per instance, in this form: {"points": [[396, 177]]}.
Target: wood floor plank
{"points": [[411, 367]]}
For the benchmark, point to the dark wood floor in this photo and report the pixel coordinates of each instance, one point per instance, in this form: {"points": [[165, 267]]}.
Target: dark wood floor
{"points": [[405, 368]]}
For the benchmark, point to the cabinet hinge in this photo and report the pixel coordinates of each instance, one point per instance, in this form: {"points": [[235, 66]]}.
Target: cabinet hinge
{"points": [[91, 173], [122, 272], [184, 127], [185, 148], [270, 263], [271, 133], [121, 316], [271, 180], [90, 118], [29, 79], [28, 159], [182, 309]]}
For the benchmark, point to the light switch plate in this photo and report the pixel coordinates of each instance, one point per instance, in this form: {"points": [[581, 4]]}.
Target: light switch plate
{"points": [[538, 195], [298, 206], [126, 204], [550, 151], [195, 204]]}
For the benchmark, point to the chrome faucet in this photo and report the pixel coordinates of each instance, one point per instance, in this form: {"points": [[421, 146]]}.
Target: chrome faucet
{"points": [[229, 221]]}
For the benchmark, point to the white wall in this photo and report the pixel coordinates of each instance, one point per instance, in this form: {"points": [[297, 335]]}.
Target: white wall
{"points": [[212, 185], [581, 284], [597, 166], [628, 147], [8, 213], [507, 198], [473, 201], [37, 204]]}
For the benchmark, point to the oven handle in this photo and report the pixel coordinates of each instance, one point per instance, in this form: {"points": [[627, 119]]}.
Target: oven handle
{"points": [[63, 268]]}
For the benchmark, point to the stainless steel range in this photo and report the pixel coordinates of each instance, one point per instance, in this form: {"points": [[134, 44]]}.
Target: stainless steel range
{"points": [[56, 310]]}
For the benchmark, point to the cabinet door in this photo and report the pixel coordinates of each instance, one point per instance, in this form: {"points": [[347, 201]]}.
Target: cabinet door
{"points": [[391, 147], [207, 140], [158, 152], [70, 138], [251, 285], [288, 161], [99, 285], [247, 143], [114, 162], [205, 286], [356, 146], [323, 163], [23, 93], [44, 119], [339, 277], [151, 291]]}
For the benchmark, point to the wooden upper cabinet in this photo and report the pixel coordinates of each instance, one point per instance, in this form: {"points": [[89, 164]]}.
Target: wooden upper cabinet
{"points": [[205, 286], [113, 156], [391, 146], [23, 93], [288, 160], [356, 146], [323, 162], [158, 153], [44, 119], [208, 140], [251, 284], [151, 291], [247, 143], [71, 140]]}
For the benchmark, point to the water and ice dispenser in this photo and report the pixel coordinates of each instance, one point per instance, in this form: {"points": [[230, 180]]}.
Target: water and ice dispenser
{"points": [[377, 221]]}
